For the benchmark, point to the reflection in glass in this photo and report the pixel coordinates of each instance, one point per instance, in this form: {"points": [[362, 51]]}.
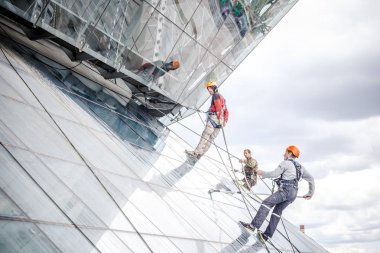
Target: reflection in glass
{"points": [[238, 243]]}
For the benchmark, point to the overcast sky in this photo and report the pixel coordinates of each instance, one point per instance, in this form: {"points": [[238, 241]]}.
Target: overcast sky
{"points": [[314, 82]]}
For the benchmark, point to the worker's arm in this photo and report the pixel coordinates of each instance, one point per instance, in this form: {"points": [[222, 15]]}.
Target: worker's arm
{"points": [[310, 179], [226, 113], [272, 174]]}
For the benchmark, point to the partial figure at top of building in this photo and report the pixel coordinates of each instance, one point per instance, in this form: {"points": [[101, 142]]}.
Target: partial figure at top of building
{"points": [[152, 71], [237, 7]]}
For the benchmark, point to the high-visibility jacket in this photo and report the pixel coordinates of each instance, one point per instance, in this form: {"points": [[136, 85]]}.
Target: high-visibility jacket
{"points": [[218, 106]]}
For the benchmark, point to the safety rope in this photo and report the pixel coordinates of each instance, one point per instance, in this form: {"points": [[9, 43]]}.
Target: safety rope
{"points": [[286, 231], [236, 180], [238, 185], [241, 190]]}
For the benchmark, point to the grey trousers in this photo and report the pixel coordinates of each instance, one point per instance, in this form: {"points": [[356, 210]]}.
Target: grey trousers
{"points": [[208, 136], [279, 200]]}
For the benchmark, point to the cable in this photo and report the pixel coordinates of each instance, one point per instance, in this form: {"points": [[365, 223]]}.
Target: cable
{"points": [[66, 68], [224, 137]]}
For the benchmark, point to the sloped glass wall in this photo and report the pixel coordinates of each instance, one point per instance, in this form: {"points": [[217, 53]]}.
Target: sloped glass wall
{"points": [[70, 182]]}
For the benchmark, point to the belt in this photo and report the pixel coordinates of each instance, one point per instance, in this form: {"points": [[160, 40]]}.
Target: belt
{"points": [[248, 174], [211, 113], [286, 182]]}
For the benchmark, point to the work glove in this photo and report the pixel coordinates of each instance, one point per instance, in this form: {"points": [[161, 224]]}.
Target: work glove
{"points": [[307, 196]]}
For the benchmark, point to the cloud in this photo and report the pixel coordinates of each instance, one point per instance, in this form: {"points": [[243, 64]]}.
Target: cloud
{"points": [[324, 68], [346, 208]]}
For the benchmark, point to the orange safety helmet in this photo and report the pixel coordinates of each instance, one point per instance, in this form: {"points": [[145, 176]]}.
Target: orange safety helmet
{"points": [[175, 64], [294, 150], [212, 84]]}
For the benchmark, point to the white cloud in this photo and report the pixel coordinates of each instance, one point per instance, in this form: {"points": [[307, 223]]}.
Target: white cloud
{"points": [[344, 210]]}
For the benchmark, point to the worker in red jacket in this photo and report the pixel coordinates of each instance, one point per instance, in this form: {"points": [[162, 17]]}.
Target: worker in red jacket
{"points": [[217, 118]]}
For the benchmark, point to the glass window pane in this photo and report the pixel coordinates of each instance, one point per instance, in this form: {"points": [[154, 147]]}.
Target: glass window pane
{"points": [[194, 217], [24, 237], [27, 124], [90, 146], [179, 12], [161, 244], [157, 38], [16, 183], [218, 74], [8, 207], [205, 22], [106, 241], [134, 242], [191, 246], [67, 239], [79, 180]]}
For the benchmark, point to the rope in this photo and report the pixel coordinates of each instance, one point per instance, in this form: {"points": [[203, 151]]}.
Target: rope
{"points": [[242, 188], [288, 239], [236, 179], [286, 231]]}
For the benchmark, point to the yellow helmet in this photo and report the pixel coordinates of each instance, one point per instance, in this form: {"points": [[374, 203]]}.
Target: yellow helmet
{"points": [[212, 83]]}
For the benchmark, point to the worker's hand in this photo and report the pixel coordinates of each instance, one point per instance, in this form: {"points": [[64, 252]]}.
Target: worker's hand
{"points": [[307, 196], [241, 160], [260, 172]]}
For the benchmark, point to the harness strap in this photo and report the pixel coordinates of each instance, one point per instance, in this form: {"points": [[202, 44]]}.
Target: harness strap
{"points": [[213, 123], [298, 169]]}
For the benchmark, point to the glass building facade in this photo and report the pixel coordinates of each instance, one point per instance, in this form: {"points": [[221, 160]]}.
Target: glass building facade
{"points": [[209, 38], [85, 168]]}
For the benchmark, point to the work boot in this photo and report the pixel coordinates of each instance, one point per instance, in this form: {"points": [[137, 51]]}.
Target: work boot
{"points": [[248, 226], [261, 237]]}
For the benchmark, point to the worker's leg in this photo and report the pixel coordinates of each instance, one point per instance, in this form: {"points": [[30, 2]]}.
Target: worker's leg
{"points": [[209, 129], [291, 194], [265, 207], [207, 145]]}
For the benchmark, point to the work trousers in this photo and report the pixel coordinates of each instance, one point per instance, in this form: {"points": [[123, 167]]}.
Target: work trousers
{"points": [[251, 180], [209, 134], [279, 200]]}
